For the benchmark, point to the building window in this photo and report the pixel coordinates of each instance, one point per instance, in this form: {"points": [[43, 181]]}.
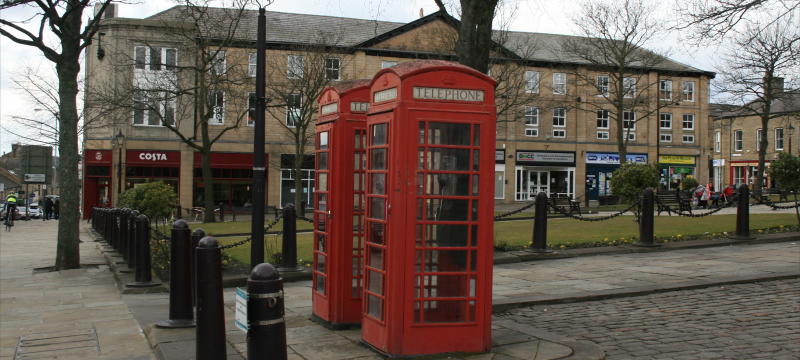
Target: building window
{"points": [[218, 64], [294, 69], [559, 133], [688, 91], [631, 136], [150, 109], [779, 139], [332, 69], [560, 83], [252, 64], [532, 82], [216, 101], [629, 87], [758, 139], [602, 85], [531, 132], [738, 175], [602, 119], [718, 141], [666, 138], [688, 122], [688, 138], [386, 64], [559, 117], [293, 104], [665, 90], [602, 135], [251, 109], [629, 120], [666, 121], [155, 58], [737, 140], [531, 121]]}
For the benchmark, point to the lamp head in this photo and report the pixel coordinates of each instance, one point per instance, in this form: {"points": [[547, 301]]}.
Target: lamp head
{"points": [[120, 138]]}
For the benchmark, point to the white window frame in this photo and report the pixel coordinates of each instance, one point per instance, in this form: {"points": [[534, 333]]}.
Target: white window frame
{"points": [[219, 67], [779, 140], [665, 138], [631, 136], [329, 67], [738, 144], [252, 64], [559, 133], [665, 118], [629, 87], [559, 117], [688, 91], [688, 119], [532, 82], [251, 109], [295, 66], [686, 136], [602, 135], [665, 90], [602, 118], [291, 124], [532, 132], [531, 121], [717, 141], [758, 139], [219, 111], [147, 64], [560, 83], [629, 120], [602, 85], [387, 63], [147, 109]]}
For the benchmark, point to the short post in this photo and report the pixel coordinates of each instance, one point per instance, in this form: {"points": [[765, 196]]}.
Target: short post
{"points": [[302, 210], [132, 238], [125, 214], [181, 314], [646, 220], [221, 212], [743, 214], [197, 235], [179, 216], [540, 225], [93, 217], [210, 335], [266, 331], [289, 243], [144, 276], [115, 228]]}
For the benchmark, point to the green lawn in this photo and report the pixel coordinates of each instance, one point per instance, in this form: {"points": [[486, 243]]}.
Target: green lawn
{"points": [[240, 227], [559, 231]]}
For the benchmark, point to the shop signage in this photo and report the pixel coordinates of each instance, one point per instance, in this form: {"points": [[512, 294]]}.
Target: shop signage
{"points": [[327, 109], [359, 106], [681, 170], [545, 157], [384, 95], [599, 158], [153, 156], [720, 162], [675, 159], [448, 94], [34, 177], [500, 156]]}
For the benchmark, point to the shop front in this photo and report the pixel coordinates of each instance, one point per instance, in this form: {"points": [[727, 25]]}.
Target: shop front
{"points": [[149, 166], [96, 180], [746, 172], [600, 168], [718, 167], [551, 172], [499, 174], [676, 168], [232, 175]]}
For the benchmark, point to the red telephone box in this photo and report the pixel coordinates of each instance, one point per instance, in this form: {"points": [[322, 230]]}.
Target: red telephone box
{"points": [[429, 222], [339, 215]]}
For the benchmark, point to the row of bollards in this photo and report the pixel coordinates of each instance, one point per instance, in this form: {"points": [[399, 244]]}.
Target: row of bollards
{"points": [[128, 233]]}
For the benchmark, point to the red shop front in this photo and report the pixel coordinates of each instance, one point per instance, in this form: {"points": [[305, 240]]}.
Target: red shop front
{"points": [[96, 180], [232, 175], [142, 166]]}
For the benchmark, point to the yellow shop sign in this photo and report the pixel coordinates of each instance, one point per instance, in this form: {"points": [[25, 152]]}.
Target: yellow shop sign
{"points": [[673, 159]]}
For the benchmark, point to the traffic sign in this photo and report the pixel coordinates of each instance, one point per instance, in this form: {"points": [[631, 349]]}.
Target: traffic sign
{"points": [[34, 177], [241, 310], [33, 195]]}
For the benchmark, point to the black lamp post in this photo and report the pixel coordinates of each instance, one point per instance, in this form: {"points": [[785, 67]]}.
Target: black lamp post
{"points": [[120, 141], [259, 170], [791, 133]]}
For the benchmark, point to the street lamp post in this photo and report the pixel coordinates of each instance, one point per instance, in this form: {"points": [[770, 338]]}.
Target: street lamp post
{"points": [[259, 169], [120, 141], [791, 133]]}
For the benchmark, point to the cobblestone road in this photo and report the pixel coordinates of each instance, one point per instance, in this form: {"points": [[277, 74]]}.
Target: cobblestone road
{"points": [[758, 320]]}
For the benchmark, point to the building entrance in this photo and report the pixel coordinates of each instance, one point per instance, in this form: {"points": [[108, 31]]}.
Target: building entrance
{"points": [[538, 181]]}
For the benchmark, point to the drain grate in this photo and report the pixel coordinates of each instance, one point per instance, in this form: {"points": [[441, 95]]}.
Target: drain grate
{"points": [[53, 344]]}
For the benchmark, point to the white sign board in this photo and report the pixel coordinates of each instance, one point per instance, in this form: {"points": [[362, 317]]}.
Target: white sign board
{"points": [[241, 309], [34, 177]]}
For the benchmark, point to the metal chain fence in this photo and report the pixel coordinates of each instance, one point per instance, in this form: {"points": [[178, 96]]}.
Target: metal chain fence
{"points": [[680, 213], [563, 211], [764, 201], [245, 241], [304, 219], [512, 212]]}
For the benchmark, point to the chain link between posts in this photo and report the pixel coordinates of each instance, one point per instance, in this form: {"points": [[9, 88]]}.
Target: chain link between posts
{"points": [[304, 219], [563, 211], [245, 241], [764, 201], [512, 212], [669, 209]]}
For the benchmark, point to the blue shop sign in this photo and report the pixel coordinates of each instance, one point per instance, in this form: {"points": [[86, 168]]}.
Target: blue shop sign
{"points": [[613, 159]]}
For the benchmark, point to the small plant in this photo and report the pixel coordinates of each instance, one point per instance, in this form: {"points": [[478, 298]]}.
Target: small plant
{"points": [[688, 183]]}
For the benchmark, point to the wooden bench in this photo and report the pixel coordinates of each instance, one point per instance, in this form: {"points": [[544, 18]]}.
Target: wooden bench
{"points": [[607, 200], [674, 201], [565, 204]]}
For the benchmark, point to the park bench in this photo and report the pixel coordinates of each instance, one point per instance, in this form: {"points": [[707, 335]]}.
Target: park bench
{"points": [[673, 200], [607, 200], [565, 204]]}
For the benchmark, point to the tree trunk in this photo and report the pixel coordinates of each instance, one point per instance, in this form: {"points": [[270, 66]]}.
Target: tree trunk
{"points": [[475, 33], [298, 181], [762, 149], [796, 209], [208, 180]]}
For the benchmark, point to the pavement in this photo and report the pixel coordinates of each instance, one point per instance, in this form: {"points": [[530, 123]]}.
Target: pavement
{"points": [[81, 313]]}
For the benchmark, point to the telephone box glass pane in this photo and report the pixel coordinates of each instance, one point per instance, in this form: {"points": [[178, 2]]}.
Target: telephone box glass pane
{"points": [[475, 185], [446, 235], [421, 132], [321, 222], [377, 210], [379, 134], [320, 263], [448, 134], [444, 311], [447, 210], [376, 233], [378, 159], [358, 139], [378, 185], [421, 163], [474, 235], [448, 159], [476, 136], [357, 161], [446, 261], [322, 159], [375, 282], [323, 140], [321, 243], [445, 286], [321, 284], [474, 210], [322, 183], [376, 257], [322, 202], [476, 160], [374, 306], [448, 184]]}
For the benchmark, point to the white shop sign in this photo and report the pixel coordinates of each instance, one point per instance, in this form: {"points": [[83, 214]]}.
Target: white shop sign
{"points": [[523, 156], [34, 177], [241, 309]]}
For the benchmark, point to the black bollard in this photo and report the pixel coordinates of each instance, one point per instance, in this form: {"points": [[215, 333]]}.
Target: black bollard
{"points": [[210, 335], [197, 235], [144, 275], [302, 210], [743, 214], [221, 212], [115, 228], [266, 334], [132, 241], [93, 217], [289, 244], [181, 314], [646, 220], [540, 225], [180, 216], [124, 233]]}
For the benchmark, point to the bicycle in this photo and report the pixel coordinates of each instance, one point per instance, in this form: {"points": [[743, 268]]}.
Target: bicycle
{"points": [[9, 222]]}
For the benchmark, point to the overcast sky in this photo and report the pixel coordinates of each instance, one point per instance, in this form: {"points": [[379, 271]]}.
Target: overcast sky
{"points": [[545, 16]]}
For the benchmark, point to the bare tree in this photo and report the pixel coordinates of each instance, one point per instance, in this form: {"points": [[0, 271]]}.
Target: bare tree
{"points": [[474, 44], [612, 65], [759, 74], [712, 20], [187, 77], [62, 19], [295, 80]]}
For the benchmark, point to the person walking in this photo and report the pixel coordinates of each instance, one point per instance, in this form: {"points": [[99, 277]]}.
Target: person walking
{"points": [[56, 208], [48, 209]]}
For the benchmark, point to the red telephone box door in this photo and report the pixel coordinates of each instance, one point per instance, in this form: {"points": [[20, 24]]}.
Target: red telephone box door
{"points": [[430, 151]]}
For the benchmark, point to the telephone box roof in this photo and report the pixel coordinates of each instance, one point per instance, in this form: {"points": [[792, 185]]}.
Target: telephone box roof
{"points": [[411, 68], [348, 86]]}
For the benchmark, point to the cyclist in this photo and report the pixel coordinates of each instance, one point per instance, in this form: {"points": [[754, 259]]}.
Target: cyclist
{"points": [[11, 207]]}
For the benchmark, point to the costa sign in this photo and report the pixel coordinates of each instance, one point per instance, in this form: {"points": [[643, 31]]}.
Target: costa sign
{"points": [[153, 156]]}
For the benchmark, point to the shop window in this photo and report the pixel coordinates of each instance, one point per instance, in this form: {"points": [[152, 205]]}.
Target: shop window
{"points": [[667, 138], [227, 173], [738, 175], [98, 171], [532, 82], [288, 180]]}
